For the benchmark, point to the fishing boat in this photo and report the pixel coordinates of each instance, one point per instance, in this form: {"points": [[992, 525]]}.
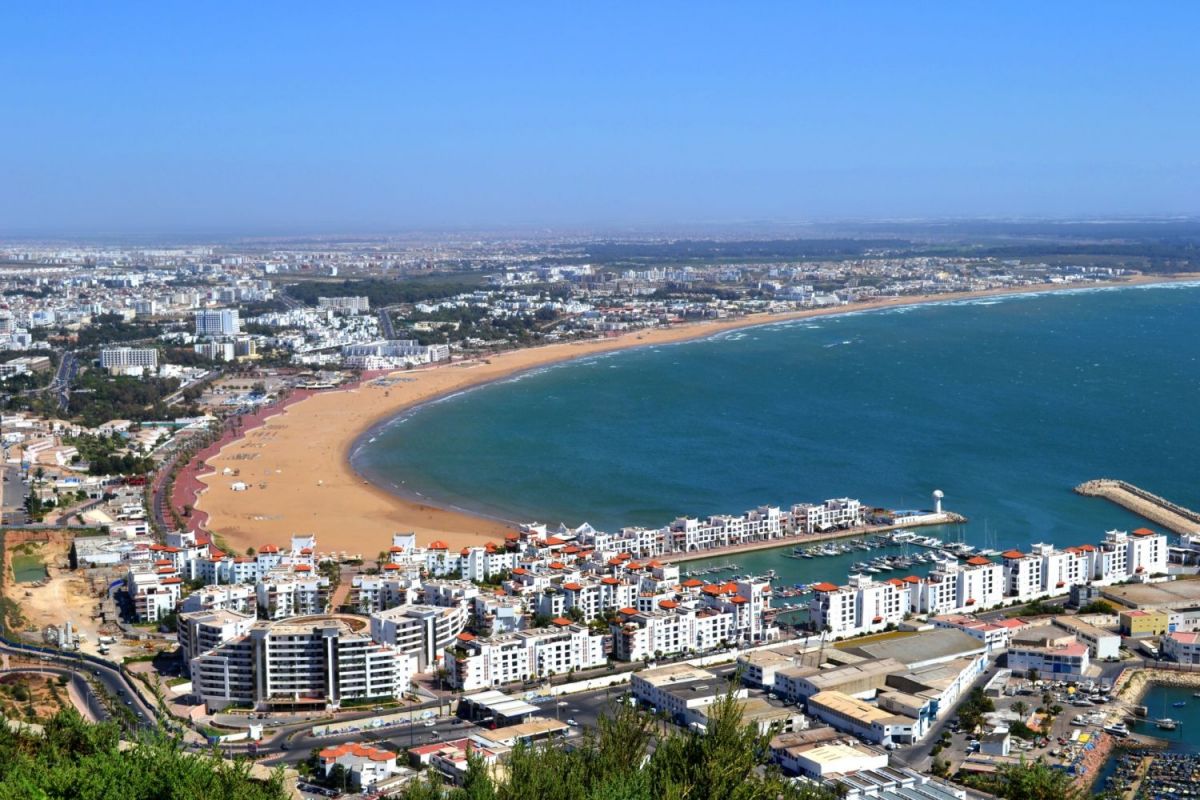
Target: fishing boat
{"points": [[1179, 704], [1166, 724]]}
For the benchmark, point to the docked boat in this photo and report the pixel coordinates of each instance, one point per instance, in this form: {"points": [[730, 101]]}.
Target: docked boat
{"points": [[1118, 729], [1166, 724]]}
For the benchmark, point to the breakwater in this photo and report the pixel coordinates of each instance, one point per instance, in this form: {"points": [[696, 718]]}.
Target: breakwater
{"points": [[1145, 504]]}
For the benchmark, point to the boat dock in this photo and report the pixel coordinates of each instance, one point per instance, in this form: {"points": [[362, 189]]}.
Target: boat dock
{"points": [[1145, 504]]}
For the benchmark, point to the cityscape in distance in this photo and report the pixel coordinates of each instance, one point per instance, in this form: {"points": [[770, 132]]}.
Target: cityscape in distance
{"points": [[599, 403]]}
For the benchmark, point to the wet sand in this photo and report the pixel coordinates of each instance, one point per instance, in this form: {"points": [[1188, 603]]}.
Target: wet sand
{"points": [[296, 463]]}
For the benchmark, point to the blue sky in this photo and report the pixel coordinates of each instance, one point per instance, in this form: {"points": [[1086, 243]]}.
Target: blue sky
{"points": [[357, 117]]}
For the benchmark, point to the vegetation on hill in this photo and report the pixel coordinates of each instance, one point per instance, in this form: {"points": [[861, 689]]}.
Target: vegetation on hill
{"points": [[76, 759], [112, 329], [627, 758], [384, 292]]}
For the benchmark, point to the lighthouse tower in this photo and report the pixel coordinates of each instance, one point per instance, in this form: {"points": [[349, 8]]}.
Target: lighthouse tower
{"points": [[937, 501]]}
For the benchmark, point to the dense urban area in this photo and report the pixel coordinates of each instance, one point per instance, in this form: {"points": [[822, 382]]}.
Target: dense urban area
{"points": [[427, 670]]}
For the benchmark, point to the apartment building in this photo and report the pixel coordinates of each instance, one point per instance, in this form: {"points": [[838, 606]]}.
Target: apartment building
{"points": [[476, 663], [317, 662], [640, 635], [202, 631], [861, 606], [357, 305], [154, 590], [371, 593], [238, 597], [293, 593], [842, 512], [421, 631]]}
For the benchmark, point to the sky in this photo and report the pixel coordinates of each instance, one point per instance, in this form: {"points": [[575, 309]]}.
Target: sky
{"points": [[358, 117]]}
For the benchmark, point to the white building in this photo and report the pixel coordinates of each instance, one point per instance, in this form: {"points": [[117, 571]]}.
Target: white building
{"points": [[356, 305], [679, 689], [316, 662], [202, 631], [861, 606], [1181, 647], [1058, 659], [476, 663], [126, 359], [366, 766], [643, 635], [217, 322], [421, 631], [154, 590]]}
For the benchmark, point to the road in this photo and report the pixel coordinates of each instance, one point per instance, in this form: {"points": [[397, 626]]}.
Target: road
{"points": [[68, 368], [385, 324], [95, 708], [111, 678]]}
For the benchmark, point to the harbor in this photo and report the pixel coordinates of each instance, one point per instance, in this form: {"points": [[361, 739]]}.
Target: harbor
{"points": [[801, 540]]}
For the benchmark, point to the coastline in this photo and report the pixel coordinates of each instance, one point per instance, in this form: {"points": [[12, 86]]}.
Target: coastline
{"points": [[321, 493]]}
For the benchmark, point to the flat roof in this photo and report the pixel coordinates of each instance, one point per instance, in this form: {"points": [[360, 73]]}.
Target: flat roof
{"points": [[924, 646], [674, 674], [1168, 593], [501, 704], [536, 726], [850, 706], [836, 751]]}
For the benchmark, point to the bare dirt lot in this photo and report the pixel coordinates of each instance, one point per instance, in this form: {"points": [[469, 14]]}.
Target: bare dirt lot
{"points": [[64, 595]]}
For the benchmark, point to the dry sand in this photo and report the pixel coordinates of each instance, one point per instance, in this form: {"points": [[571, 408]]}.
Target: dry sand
{"points": [[299, 475]]}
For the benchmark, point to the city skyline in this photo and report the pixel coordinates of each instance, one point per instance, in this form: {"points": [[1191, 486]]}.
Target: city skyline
{"points": [[279, 120]]}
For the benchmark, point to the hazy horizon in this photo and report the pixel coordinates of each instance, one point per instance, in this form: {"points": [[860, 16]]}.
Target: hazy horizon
{"points": [[279, 120]]}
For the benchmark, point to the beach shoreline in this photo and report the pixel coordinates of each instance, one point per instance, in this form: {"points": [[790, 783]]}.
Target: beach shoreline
{"points": [[321, 492]]}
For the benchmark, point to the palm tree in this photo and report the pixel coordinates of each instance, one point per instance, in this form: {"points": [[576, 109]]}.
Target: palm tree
{"points": [[1020, 708]]}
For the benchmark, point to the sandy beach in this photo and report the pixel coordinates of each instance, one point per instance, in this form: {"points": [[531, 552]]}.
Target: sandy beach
{"points": [[296, 467]]}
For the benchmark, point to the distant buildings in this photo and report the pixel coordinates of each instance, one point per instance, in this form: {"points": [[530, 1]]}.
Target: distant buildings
{"points": [[392, 353], [356, 305]]}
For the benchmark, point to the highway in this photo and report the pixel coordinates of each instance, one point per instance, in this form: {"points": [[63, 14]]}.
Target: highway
{"points": [[68, 368]]}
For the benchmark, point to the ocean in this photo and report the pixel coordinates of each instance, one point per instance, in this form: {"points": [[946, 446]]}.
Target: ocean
{"points": [[1003, 403]]}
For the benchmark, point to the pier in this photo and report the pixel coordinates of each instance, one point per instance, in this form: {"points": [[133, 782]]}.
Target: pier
{"points": [[1145, 504]]}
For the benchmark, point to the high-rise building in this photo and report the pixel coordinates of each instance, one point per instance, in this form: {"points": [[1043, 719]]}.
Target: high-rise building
{"points": [[122, 358], [218, 322]]}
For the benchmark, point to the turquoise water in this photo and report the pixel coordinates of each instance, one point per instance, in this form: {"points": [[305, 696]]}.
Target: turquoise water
{"points": [[1004, 404], [1159, 702]]}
